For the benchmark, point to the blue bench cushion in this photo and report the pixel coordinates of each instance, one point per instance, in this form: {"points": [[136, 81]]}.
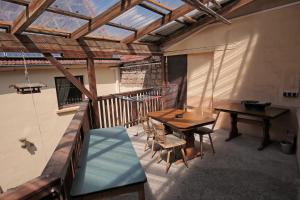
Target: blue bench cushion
{"points": [[108, 160]]}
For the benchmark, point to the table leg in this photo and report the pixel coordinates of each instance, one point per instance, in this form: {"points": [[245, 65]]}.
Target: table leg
{"points": [[190, 150], [168, 129], [234, 130], [266, 136]]}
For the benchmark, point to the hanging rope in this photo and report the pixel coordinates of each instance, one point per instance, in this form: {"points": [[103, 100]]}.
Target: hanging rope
{"points": [[34, 103]]}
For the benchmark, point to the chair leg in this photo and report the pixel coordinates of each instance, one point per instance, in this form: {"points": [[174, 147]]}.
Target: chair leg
{"points": [[201, 145], [168, 161], [159, 155], [211, 143], [183, 157], [145, 148], [152, 148]]}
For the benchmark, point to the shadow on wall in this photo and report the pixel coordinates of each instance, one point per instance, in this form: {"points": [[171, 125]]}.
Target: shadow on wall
{"points": [[256, 67]]}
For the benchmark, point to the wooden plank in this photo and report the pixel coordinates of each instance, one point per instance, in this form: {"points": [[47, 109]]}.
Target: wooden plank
{"points": [[119, 112], [111, 121], [48, 31], [106, 16], [182, 10], [27, 17], [159, 5], [121, 26], [72, 48], [184, 33], [69, 76], [101, 112], [93, 90]]}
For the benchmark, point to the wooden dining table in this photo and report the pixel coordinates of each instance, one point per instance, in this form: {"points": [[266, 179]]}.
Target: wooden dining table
{"points": [[262, 117], [185, 125]]}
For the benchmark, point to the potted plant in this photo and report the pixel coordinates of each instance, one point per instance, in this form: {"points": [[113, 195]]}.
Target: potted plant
{"points": [[287, 145]]}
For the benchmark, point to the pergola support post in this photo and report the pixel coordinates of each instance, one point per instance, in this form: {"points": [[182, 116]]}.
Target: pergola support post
{"points": [[164, 80], [93, 90]]}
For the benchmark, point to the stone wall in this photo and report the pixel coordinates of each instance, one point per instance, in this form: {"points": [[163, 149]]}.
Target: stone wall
{"points": [[135, 76]]}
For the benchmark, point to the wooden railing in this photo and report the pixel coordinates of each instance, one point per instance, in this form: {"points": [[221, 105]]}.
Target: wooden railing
{"points": [[115, 111], [56, 179]]}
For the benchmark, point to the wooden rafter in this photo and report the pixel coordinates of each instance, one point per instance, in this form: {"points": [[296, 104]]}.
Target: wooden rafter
{"points": [[121, 26], [47, 31], [159, 5], [32, 12], [108, 15], [69, 76], [71, 48], [182, 10], [185, 32], [201, 7], [152, 9]]}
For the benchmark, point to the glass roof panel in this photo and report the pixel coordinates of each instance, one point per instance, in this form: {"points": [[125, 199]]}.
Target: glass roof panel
{"points": [[90, 8], [109, 32], [60, 22], [169, 28], [136, 17], [9, 11]]}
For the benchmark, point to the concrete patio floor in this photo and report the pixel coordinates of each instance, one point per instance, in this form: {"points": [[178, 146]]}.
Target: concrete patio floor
{"points": [[237, 171]]}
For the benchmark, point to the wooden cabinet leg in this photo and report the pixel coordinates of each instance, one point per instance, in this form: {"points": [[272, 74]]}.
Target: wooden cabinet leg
{"points": [[234, 130], [266, 135], [142, 193]]}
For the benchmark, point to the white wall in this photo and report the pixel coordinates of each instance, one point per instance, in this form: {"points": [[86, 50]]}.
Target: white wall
{"points": [[18, 120], [256, 57]]}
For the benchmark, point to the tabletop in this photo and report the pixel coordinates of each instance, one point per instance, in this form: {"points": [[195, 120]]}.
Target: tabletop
{"points": [[108, 160], [189, 120], [270, 112]]}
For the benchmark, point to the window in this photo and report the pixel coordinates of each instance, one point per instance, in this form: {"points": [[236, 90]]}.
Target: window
{"points": [[67, 93]]}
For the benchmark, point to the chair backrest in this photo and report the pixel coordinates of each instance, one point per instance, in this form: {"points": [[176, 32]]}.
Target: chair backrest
{"points": [[146, 126], [159, 133], [216, 119], [208, 112]]}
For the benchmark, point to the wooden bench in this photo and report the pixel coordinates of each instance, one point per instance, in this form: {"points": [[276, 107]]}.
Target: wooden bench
{"points": [[108, 166]]}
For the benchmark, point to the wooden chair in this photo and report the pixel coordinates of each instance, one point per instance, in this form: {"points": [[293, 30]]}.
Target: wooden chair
{"points": [[201, 131], [168, 142], [149, 131]]}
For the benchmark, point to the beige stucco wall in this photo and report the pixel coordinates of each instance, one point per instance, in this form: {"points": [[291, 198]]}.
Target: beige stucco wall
{"points": [[18, 119], [257, 57]]}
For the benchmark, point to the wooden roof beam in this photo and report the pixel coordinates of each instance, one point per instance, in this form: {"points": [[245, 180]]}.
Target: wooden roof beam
{"points": [[121, 26], [185, 32], [27, 17], [69, 76], [47, 31], [152, 9], [182, 10], [108, 15], [159, 5], [201, 7], [71, 48]]}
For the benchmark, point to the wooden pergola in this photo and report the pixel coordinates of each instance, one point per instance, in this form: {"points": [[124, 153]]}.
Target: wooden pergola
{"points": [[22, 36]]}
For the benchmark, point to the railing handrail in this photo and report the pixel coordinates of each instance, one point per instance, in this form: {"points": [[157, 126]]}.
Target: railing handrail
{"points": [[55, 166], [125, 93], [36, 188], [55, 171]]}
